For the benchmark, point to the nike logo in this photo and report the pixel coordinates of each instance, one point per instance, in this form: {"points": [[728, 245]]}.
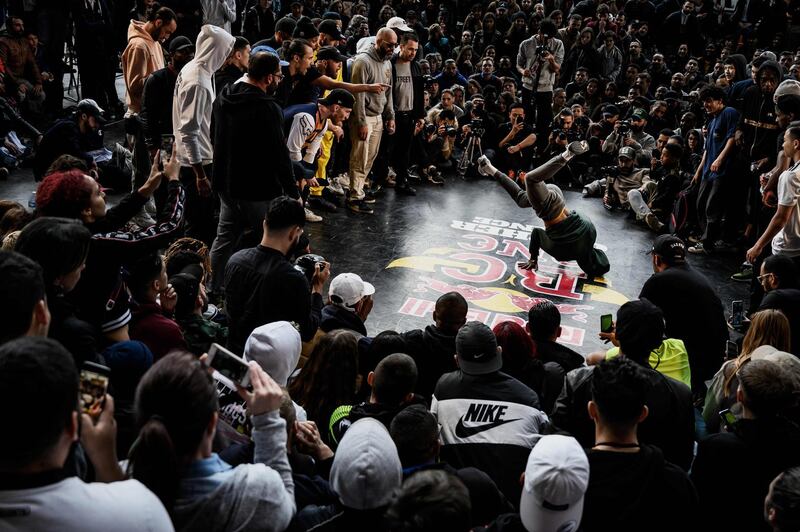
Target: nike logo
{"points": [[463, 431]]}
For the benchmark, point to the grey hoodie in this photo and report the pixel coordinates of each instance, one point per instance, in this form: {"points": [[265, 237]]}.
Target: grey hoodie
{"points": [[257, 496], [369, 68], [194, 96]]}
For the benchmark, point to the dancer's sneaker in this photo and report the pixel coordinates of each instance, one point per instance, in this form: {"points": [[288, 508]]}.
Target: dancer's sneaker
{"points": [[485, 166], [575, 148], [311, 217]]}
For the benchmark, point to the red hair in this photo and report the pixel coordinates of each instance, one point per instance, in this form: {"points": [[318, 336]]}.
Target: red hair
{"points": [[518, 348], [63, 194]]}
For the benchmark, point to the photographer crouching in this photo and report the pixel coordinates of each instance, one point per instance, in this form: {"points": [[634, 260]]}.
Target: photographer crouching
{"points": [[477, 136], [618, 180], [631, 134], [438, 141]]}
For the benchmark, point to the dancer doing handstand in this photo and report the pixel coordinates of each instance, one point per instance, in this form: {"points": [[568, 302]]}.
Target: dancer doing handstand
{"points": [[566, 235]]}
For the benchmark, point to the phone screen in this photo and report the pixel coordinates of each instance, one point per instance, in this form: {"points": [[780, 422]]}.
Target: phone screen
{"points": [[94, 385], [731, 350], [606, 322], [166, 147], [728, 419], [737, 313], [228, 365]]}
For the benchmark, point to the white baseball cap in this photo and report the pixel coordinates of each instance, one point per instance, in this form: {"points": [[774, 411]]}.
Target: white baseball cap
{"points": [[348, 288], [398, 23], [556, 479]]}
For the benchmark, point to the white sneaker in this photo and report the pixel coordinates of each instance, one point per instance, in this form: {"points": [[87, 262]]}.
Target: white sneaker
{"points": [[336, 187], [311, 217], [485, 166], [575, 148], [392, 174]]}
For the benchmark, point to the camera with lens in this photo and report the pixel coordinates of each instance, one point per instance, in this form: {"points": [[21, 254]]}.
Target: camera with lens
{"points": [[609, 171], [306, 264], [450, 131], [429, 80], [477, 126], [624, 127], [541, 50], [429, 129], [559, 134]]}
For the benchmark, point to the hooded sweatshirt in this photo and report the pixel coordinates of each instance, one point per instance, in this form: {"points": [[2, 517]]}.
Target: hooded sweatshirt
{"points": [[195, 94], [629, 489], [370, 68], [757, 119], [141, 57]]}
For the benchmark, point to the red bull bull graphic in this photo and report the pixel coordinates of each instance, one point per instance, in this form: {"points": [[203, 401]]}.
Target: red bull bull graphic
{"points": [[477, 266]]}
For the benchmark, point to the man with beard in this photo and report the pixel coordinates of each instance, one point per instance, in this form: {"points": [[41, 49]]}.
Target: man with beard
{"points": [[22, 75], [636, 138], [262, 285], [567, 235], [248, 135], [156, 112], [235, 66], [142, 57], [371, 113]]}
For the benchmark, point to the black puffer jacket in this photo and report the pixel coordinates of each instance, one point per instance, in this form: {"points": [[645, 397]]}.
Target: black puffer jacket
{"points": [[433, 351]]}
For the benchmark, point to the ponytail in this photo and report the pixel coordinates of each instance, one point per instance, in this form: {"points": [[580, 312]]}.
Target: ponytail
{"points": [[175, 402]]}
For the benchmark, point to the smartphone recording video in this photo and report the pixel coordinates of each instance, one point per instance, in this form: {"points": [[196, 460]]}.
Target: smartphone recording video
{"points": [[228, 365], [167, 142], [606, 323], [93, 386]]}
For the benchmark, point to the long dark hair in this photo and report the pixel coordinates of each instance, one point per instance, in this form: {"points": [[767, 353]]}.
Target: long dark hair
{"points": [[328, 379], [175, 402]]}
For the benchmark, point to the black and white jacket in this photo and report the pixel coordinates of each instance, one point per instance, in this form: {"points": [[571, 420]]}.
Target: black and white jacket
{"points": [[490, 422]]}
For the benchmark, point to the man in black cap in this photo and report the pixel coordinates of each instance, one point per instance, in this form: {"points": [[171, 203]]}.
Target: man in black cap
{"points": [[158, 90], [283, 32], [329, 33], [489, 419], [74, 136], [692, 309], [252, 164], [670, 423], [305, 29]]}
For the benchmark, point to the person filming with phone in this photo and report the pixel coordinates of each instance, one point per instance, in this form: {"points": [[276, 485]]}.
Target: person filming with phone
{"points": [[515, 148]]}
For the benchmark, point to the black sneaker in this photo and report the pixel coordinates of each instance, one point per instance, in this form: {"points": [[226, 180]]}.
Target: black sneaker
{"points": [[413, 174], [405, 190], [359, 207], [321, 203], [369, 197]]}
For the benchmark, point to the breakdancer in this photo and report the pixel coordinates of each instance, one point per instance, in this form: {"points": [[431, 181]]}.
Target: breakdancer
{"points": [[566, 235]]}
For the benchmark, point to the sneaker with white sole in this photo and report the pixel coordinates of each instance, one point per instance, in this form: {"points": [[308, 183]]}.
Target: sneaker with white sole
{"points": [[698, 249], [575, 148], [336, 187], [311, 217]]}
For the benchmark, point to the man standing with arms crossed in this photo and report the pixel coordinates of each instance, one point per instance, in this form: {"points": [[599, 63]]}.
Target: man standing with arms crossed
{"points": [[370, 112], [409, 109]]}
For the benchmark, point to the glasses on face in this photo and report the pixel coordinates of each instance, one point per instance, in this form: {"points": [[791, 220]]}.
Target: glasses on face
{"points": [[762, 277], [278, 75]]}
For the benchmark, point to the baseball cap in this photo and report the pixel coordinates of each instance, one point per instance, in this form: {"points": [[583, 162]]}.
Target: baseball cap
{"points": [[329, 27], [305, 29], [398, 23], [276, 347], [348, 288], [670, 248], [556, 479], [187, 287], [366, 469], [338, 97], [476, 349], [330, 53], [627, 152], [180, 43], [269, 50], [610, 110], [90, 107], [639, 114], [286, 25]]}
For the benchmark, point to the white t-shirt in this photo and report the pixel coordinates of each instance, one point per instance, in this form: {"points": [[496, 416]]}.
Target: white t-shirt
{"points": [[72, 504], [787, 241]]}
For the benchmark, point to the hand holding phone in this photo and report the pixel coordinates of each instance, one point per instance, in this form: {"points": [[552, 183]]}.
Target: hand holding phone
{"points": [[266, 395], [737, 313], [606, 323], [167, 142], [93, 387]]}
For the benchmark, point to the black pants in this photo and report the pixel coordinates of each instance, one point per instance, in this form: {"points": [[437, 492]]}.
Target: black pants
{"points": [[401, 145], [710, 207], [199, 213]]}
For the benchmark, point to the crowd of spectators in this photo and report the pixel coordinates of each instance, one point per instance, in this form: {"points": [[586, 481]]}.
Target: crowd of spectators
{"points": [[245, 119]]}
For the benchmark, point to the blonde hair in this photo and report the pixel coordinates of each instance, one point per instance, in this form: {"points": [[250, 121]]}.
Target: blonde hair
{"points": [[767, 327]]}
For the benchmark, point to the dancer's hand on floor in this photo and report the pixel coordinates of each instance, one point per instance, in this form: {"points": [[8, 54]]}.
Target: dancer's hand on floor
{"points": [[531, 265]]}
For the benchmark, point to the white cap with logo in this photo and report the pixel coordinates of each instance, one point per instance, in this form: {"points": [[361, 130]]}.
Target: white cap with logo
{"points": [[556, 479], [398, 23], [348, 288]]}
